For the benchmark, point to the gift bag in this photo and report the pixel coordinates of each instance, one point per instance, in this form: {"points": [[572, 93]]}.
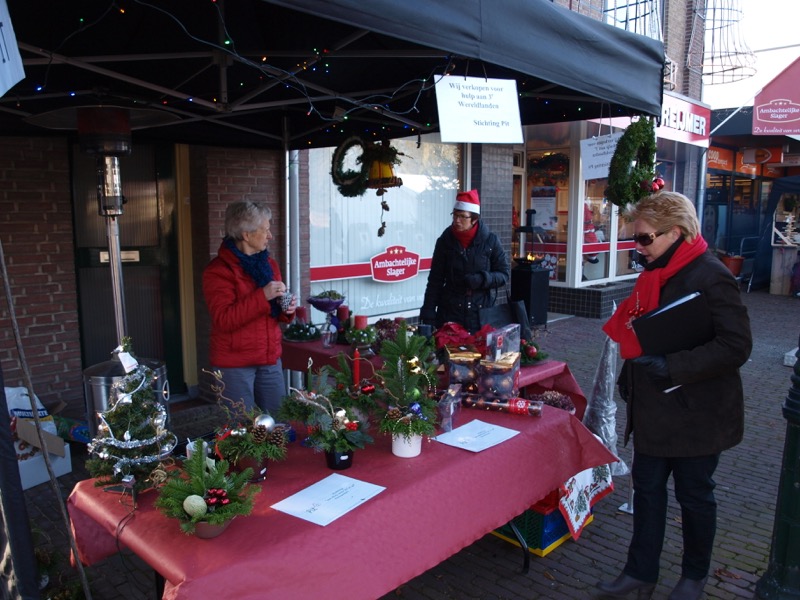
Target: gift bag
{"points": [[504, 314]]}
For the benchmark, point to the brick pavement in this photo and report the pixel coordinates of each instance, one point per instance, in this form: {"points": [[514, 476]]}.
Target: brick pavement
{"points": [[489, 569]]}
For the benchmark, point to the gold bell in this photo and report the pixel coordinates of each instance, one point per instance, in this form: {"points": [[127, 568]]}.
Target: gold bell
{"points": [[381, 176]]}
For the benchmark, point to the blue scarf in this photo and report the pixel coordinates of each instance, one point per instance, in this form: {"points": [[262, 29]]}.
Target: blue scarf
{"points": [[258, 268]]}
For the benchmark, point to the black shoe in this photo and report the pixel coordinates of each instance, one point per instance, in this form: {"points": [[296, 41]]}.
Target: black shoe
{"points": [[624, 585], [688, 589]]}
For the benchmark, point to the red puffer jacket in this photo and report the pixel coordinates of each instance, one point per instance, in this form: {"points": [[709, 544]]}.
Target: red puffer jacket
{"points": [[243, 334]]}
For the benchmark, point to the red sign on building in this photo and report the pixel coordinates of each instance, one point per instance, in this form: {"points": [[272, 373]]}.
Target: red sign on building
{"points": [[395, 264], [776, 109]]}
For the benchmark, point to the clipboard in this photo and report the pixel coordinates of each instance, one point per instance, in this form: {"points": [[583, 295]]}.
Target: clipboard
{"points": [[680, 325]]}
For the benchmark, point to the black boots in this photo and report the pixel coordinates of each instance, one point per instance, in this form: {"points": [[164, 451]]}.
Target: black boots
{"points": [[688, 589], [624, 585]]}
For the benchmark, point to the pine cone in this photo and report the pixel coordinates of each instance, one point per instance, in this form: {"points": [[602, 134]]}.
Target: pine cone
{"points": [[394, 414], [259, 433], [277, 437]]}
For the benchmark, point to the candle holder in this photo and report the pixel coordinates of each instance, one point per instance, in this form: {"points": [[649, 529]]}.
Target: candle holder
{"points": [[328, 306]]}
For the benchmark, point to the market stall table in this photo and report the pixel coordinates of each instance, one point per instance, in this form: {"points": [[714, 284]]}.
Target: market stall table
{"points": [[534, 378], [433, 506]]}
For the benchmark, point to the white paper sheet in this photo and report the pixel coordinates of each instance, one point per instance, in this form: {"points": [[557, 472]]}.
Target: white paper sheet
{"points": [[327, 500], [476, 436]]}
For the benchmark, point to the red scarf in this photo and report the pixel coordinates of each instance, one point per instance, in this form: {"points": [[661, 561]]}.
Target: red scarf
{"points": [[465, 237], [645, 296]]}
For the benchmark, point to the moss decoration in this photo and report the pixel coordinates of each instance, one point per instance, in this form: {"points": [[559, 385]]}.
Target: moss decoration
{"points": [[628, 184], [352, 183]]}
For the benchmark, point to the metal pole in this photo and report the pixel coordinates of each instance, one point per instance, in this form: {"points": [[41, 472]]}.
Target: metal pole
{"points": [[110, 200], [782, 578]]}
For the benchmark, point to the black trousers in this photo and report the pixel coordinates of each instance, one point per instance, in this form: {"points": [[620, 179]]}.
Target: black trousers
{"points": [[694, 491]]}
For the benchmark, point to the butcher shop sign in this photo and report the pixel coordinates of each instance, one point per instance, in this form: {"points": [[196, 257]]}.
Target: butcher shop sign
{"points": [[395, 264]]}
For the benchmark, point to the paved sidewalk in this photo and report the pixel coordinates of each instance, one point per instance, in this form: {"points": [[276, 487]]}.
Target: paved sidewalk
{"points": [[490, 569]]}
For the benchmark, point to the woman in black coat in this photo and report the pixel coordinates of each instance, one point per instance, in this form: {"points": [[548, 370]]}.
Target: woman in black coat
{"points": [[467, 267], [683, 408]]}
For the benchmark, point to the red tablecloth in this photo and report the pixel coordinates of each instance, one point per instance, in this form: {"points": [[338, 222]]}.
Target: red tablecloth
{"points": [[295, 355], [433, 506], [551, 375]]}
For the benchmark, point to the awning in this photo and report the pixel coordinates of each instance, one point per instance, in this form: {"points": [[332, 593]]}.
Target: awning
{"points": [[303, 73]]}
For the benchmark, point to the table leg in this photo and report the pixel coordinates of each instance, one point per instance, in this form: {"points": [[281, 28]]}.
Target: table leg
{"points": [[526, 557], [159, 584]]}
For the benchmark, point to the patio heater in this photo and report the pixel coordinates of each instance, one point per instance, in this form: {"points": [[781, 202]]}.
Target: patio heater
{"points": [[530, 282], [105, 132]]}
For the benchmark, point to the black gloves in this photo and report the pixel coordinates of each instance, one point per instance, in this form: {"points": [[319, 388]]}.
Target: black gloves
{"points": [[474, 280], [656, 368]]}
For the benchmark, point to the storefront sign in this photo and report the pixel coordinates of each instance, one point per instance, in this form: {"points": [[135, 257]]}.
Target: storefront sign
{"points": [[396, 264], [720, 158], [478, 110], [684, 121], [759, 156], [776, 109], [746, 169]]}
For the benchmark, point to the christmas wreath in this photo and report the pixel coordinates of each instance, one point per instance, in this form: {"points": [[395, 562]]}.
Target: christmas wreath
{"points": [[352, 183], [628, 184]]}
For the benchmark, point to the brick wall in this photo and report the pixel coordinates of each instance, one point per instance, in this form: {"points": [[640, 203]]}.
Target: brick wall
{"points": [[493, 176], [218, 177], [37, 236]]}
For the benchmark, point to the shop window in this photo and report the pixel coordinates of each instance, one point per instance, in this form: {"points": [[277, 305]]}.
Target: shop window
{"points": [[548, 188], [344, 232]]}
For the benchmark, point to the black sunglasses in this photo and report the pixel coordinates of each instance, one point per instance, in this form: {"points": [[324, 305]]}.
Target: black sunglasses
{"points": [[645, 239]]}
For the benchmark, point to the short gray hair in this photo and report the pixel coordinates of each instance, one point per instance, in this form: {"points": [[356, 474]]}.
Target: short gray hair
{"points": [[245, 216]]}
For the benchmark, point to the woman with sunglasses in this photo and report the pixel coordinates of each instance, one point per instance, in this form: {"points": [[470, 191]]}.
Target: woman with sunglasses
{"points": [[684, 408], [467, 267]]}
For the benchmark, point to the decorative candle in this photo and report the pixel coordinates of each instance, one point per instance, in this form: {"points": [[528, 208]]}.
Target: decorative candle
{"points": [[361, 322], [356, 366], [300, 314], [343, 313]]}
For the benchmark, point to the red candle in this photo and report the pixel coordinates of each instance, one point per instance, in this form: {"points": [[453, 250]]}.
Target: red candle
{"points": [[342, 313], [300, 314], [361, 322], [356, 367]]}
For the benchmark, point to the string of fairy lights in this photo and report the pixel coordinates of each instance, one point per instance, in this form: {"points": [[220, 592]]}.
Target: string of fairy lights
{"points": [[289, 79]]}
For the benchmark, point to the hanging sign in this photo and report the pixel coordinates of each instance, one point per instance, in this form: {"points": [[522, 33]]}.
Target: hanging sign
{"points": [[11, 70], [395, 264], [478, 110], [776, 108], [596, 155]]}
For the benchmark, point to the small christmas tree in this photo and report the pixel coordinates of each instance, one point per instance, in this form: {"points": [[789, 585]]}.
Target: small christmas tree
{"points": [[408, 385], [132, 438]]}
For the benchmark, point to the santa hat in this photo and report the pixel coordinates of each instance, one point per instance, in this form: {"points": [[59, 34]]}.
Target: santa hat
{"points": [[468, 202]]}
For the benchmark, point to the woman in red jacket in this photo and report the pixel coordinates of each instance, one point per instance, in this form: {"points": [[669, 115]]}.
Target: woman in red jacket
{"points": [[243, 291]]}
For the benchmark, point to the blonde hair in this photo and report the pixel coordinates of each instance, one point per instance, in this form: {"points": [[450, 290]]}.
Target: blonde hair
{"points": [[665, 210], [244, 217]]}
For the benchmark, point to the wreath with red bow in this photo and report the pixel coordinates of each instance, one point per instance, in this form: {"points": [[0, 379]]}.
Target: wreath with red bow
{"points": [[632, 171]]}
